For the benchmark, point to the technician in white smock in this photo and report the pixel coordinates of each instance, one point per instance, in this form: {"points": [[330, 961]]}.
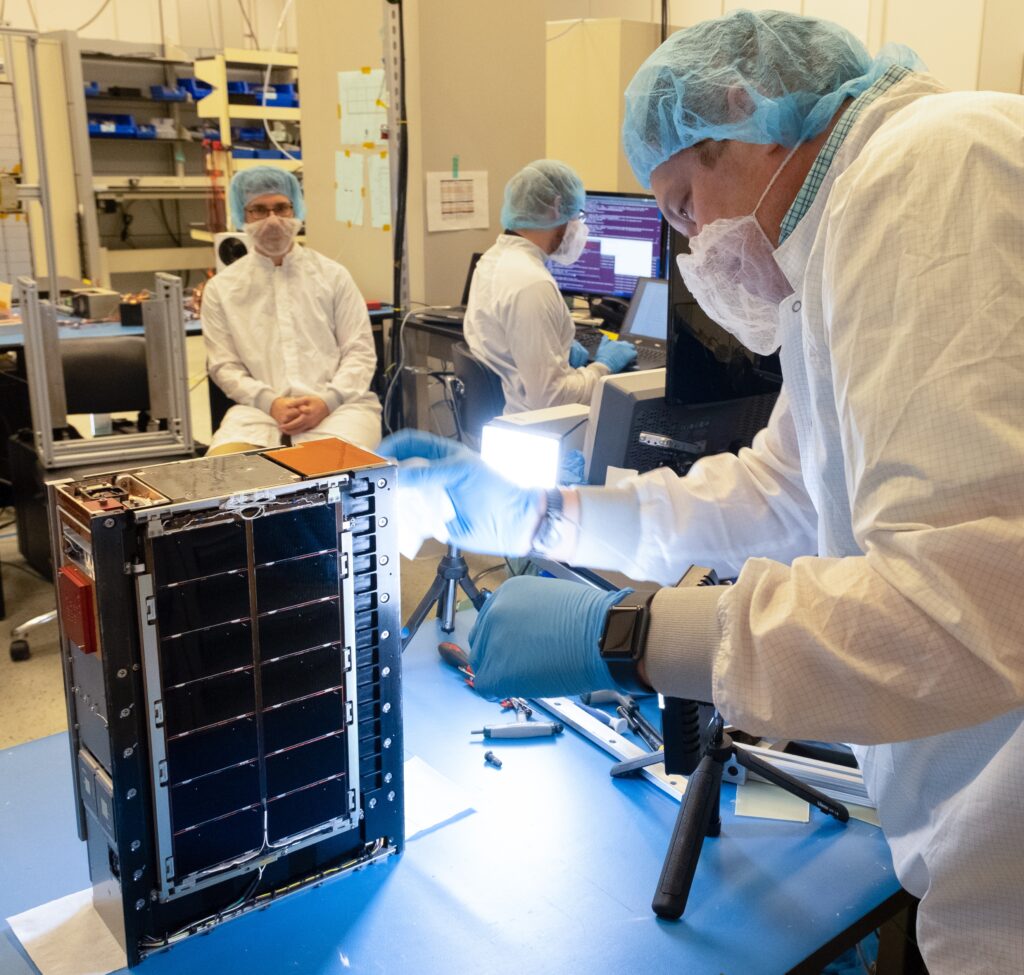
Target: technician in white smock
{"points": [[517, 322], [286, 329], [869, 222]]}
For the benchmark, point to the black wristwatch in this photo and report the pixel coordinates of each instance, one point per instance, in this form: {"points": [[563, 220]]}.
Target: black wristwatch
{"points": [[623, 639]]}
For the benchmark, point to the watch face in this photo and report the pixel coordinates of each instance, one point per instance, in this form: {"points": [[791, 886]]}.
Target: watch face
{"points": [[618, 632]]}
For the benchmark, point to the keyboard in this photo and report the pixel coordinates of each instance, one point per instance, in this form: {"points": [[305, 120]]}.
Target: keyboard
{"points": [[649, 357], [589, 338]]}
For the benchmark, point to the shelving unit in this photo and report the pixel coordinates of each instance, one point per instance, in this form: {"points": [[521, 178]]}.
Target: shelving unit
{"points": [[239, 64], [144, 193]]}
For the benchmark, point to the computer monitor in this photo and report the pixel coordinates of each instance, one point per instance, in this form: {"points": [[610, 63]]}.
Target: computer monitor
{"points": [[625, 242], [647, 317], [706, 364], [632, 426]]}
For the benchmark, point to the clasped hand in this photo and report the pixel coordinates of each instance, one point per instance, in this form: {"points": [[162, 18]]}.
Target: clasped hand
{"points": [[297, 414]]}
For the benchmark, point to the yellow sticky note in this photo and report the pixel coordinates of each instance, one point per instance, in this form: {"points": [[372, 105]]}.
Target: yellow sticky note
{"points": [[5, 297]]}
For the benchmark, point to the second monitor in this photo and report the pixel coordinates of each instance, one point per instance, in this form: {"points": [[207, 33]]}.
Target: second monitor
{"points": [[625, 242]]}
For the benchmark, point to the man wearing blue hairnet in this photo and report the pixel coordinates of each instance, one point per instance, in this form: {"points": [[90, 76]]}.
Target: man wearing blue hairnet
{"points": [[517, 322], [851, 211], [287, 332]]}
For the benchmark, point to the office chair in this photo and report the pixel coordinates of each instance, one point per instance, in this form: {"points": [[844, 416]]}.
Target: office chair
{"points": [[101, 375], [478, 395]]}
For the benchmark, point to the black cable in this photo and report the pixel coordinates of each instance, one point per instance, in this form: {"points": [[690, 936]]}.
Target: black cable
{"points": [[167, 223], [397, 418]]}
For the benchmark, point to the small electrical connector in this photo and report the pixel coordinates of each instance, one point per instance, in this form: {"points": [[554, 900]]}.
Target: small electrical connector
{"points": [[491, 759]]}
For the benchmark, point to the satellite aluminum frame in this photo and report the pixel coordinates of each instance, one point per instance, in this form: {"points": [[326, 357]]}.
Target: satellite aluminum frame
{"points": [[167, 373]]}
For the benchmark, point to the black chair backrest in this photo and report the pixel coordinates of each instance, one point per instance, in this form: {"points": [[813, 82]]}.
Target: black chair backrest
{"points": [[105, 375], [481, 398], [220, 403]]}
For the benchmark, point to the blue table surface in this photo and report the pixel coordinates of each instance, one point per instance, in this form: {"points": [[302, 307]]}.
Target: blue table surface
{"points": [[553, 871]]}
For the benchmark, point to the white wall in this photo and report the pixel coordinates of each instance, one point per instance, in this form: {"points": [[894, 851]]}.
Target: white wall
{"points": [[188, 23], [965, 43]]}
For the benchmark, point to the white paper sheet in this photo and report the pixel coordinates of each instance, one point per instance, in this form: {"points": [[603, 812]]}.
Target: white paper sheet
{"points": [[362, 104], [68, 937], [762, 800], [457, 202], [348, 192], [379, 180], [430, 798]]}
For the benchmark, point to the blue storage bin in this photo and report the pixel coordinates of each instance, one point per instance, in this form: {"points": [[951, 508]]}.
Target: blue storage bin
{"points": [[270, 154], [145, 131], [238, 153], [92, 89], [247, 133], [194, 87], [287, 95], [112, 125], [161, 93], [238, 87]]}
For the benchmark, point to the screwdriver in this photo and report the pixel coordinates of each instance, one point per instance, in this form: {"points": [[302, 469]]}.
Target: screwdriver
{"points": [[521, 729], [452, 653]]}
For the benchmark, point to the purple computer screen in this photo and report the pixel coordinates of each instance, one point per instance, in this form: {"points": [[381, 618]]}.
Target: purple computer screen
{"points": [[624, 243]]}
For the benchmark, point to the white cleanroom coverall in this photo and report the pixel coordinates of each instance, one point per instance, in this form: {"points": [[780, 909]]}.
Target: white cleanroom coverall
{"points": [[297, 329], [884, 509], [518, 325]]}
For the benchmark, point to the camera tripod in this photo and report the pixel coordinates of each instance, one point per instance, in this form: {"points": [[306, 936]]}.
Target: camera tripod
{"points": [[699, 814], [452, 573]]}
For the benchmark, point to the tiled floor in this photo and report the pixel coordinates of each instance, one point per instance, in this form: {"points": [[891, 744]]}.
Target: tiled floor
{"points": [[32, 692]]}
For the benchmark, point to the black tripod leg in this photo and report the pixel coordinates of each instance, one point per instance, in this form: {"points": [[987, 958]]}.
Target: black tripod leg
{"points": [[697, 817], [419, 614], [795, 786]]}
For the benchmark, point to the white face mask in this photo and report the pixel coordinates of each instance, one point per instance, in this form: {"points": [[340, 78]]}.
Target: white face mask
{"points": [[273, 236], [731, 272], [575, 239]]}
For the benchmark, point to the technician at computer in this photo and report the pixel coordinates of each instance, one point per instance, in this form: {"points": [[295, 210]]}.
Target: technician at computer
{"points": [[517, 322]]}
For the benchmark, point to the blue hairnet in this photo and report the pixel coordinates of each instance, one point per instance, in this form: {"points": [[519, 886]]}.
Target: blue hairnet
{"points": [[766, 77], [546, 193], [250, 183]]}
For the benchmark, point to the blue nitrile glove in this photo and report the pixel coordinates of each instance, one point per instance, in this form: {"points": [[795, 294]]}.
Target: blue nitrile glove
{"points": [[578, 355], [537, 637], [492, 515], [572, 468], [615, 355]]}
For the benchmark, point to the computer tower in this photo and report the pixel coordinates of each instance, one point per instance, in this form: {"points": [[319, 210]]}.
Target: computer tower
{"points": [[231, 649]]}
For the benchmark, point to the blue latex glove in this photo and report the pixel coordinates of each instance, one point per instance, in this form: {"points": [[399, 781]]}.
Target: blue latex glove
{"points": [[615, 355], [537, 637], [578, 355], [491, 514]]}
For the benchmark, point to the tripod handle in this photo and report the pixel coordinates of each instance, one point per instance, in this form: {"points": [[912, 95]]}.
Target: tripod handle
{"points": [[700, 804]]}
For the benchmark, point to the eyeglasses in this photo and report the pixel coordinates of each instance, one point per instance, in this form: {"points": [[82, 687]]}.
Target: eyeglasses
{"points": [[260, 212]]}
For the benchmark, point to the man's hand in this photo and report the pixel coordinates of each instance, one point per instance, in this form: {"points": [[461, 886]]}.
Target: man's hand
{"points": [[538, 637], [490, 514], [310, 411], [284, 410]]}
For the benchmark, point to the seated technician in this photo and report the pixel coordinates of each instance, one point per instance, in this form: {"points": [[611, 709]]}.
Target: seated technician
{"points": [[286, 329], [517, 322]]}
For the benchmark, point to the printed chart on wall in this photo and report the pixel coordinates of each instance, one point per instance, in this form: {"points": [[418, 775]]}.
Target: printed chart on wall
{"points": [[362, 109], [457, 202], [348, 187]]}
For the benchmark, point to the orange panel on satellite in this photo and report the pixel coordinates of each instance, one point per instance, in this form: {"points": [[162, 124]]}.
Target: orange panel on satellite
{"points": [[315, 458]]}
